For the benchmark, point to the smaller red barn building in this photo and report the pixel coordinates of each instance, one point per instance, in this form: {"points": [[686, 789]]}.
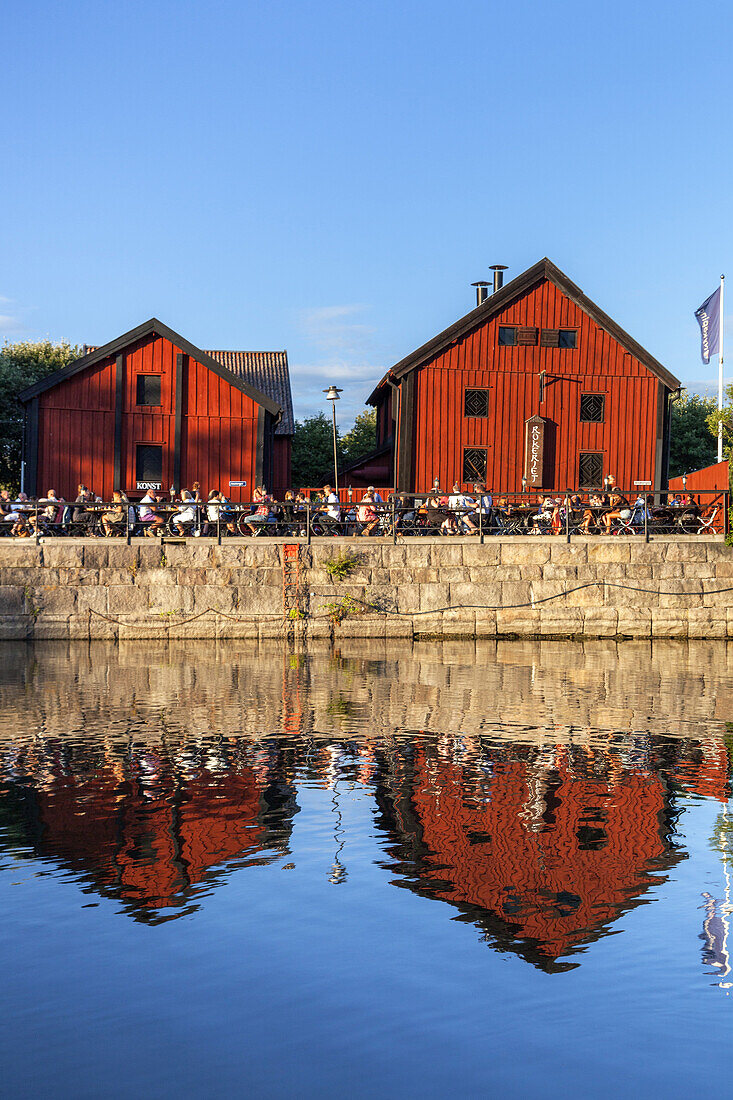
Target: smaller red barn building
{"points": [[150, 410], [536, 382]]}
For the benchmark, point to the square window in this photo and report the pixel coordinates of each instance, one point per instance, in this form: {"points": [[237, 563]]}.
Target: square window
{"points": [[148, 389], [590, 470], [149, 463], [474, 464], [592, 408], [476, 403], [567, 338], [507, 336]]}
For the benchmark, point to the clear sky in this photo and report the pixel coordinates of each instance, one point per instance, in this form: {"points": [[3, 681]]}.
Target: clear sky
{"points": [[330, 177]]}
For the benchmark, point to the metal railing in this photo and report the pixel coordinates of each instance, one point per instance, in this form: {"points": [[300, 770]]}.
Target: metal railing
{"points": [[403, 515]]}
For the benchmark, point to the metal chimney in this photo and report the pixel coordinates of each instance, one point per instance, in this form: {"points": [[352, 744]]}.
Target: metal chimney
{"points": [[482, 292], [498, 270]]}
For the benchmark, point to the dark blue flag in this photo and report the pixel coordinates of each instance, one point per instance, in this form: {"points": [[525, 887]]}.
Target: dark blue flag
{"points": [[708, 316]]}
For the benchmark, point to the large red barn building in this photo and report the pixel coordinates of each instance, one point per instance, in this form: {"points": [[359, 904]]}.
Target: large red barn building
{"points": [[536, 382], [150, 409]]}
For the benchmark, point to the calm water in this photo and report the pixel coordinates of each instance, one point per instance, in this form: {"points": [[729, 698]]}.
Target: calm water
{"points": [[454, 869]]}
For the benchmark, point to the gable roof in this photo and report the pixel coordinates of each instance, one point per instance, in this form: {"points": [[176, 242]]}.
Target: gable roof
{"points": [[268, 371], [495, 303], [149, 328]]}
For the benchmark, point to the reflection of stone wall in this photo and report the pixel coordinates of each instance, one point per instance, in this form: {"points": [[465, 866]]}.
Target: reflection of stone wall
{"points": [[555, 692], [507, 587]]}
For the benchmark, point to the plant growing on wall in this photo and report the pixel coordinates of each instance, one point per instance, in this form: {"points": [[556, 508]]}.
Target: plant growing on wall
{"points": [[341, 566]]}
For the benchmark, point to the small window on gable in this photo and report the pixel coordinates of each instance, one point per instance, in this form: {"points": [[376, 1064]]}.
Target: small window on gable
{"points": [[507, 336], [476, 403], [148, 389], [474, 464], [590, 470], [592, 408], [567, 338]]}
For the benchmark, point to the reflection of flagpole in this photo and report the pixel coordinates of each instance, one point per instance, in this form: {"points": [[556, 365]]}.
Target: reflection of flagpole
{"points": [[720, 371]]}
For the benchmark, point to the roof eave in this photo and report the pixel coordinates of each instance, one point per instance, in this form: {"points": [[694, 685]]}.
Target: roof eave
{"points": [[148, 327]]}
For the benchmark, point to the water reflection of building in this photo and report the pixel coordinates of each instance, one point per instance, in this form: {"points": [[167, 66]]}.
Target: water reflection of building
{"points": [[543, 850], [152, 827]]}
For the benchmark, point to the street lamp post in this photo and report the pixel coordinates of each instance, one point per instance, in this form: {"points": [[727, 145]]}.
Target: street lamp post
{"points": [[332, 395]]}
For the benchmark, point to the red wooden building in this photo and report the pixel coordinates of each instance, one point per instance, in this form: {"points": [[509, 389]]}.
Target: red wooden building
{"points": [[151, 410], [536, 382]]}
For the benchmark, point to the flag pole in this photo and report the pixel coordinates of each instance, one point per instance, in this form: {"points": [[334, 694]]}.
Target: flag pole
{"points": [[720, 371]]}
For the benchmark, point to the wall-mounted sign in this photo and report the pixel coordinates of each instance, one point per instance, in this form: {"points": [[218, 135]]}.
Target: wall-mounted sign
{"points": [[534, 451], [240, 484], [642, 483], [149, 485]]}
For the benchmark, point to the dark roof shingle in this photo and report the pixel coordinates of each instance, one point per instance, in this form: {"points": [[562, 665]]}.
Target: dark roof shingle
{"points": [[268, 372]]}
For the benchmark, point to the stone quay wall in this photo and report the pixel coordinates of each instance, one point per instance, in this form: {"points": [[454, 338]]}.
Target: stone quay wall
{"points": [[447, 587]]}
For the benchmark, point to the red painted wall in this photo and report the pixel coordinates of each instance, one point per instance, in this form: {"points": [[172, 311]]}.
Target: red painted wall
{"points": [[76, 428], [710, 478], [511, 374]]}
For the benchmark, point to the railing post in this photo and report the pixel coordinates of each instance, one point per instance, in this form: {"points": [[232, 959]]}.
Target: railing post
{"points": [[127, 529], [36, 525], [308, 521], [481, 518], [646, 519], [394, 520], [567, 518], [726, 507], [218, 524]]}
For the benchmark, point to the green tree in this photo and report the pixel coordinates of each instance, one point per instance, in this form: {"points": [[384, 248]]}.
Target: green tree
{"points": [[21, 365], [726, 416], [692, 442], [362, 438], [313, 450]]}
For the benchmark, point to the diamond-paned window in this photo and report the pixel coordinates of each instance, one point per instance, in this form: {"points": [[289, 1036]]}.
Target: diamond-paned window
{"points": [[476, 403], [592, 408], [590, 470], [474, 464]]}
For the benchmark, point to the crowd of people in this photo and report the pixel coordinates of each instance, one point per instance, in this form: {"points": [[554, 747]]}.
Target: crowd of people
{"points": [[457, 512]]}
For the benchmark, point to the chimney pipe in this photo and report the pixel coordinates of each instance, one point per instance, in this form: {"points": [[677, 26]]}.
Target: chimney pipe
{"points": [[498, 270], [482, 292]]}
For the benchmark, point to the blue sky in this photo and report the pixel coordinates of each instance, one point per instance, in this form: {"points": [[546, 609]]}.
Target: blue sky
{"points": [[330, 177]]}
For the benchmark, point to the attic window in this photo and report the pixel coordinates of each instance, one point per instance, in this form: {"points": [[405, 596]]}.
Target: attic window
{"points": [[507, 336], [476, 403], [559, 338], [148, 389], [592, 408]]}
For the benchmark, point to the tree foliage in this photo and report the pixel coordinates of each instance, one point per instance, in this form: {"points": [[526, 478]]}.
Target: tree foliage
{"points": [[313, 450], [362, 438], [312, 460], [724, 415], [21, 365], [692, 445]]}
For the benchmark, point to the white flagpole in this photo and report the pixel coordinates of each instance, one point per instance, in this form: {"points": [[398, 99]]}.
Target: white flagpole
{"points": [[720, 371]]}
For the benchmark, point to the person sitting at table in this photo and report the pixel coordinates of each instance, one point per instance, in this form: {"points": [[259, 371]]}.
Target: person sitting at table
{"points": [[21, 528], [153, 523], [186, 514], [256, 522], [329, 514], [366, 514], [618, 508], [542, 520], [114, 520], [48, 513]]}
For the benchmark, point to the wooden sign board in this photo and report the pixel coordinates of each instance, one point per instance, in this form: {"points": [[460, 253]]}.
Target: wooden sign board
{"points": [[534, 451]]}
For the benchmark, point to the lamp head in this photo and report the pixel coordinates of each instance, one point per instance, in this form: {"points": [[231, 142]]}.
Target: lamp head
{"points": [[332, 393]]}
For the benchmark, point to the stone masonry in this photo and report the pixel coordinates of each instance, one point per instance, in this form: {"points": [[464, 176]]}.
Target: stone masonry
{"points": [[532, 587]]}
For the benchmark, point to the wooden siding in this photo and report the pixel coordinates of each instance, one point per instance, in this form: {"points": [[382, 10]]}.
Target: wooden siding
{"points": [[76, 433], [599, 364], [76, 429]]}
